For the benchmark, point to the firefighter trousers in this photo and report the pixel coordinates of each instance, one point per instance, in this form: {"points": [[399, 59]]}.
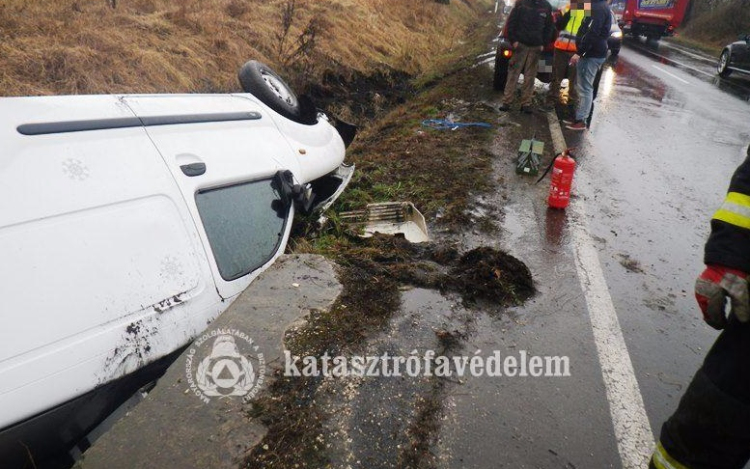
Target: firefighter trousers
{"points": [[711, 426]]}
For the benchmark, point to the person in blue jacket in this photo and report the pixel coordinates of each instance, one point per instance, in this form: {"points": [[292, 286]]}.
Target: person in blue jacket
{"points": [[591, 47]]}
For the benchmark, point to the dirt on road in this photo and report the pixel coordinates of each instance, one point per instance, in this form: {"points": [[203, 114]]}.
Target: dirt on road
{"points": [[387, 305]]}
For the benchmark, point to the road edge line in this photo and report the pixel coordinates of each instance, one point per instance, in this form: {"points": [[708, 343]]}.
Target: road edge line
{"points": [[635, 441]]}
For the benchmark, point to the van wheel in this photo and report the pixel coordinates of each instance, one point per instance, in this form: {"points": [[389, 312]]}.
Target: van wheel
{"points": [[259, 80], [722, 67]]}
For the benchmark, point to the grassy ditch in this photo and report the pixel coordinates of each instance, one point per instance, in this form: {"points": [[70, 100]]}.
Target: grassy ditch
{"points": [[399, 158]]}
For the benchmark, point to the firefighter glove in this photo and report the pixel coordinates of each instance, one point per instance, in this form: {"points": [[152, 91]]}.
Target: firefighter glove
{"points": [[714, 286]]}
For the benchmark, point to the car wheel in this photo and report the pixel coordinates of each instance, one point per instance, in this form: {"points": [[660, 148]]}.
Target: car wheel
{"points": [[722, 68], [259, 80], [501, 71]]}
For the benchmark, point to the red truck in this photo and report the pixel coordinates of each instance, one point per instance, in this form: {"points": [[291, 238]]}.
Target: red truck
{"points": [[651, 18]]}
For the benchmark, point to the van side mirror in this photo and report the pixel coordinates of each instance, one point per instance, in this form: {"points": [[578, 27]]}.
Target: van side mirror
{"points": [[289, 192]]}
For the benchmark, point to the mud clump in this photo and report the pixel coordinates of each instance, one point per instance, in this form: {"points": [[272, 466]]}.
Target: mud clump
{"points": [[364, 96], [489, 274], [481, 275]]}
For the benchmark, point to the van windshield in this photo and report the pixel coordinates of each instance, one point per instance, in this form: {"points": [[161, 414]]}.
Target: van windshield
{"points": [[244, 224]]}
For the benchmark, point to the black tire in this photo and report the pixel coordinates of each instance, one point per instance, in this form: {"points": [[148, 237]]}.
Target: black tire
{"points": [[259, 80], [652, 41], [722, 67], [501, 72]]}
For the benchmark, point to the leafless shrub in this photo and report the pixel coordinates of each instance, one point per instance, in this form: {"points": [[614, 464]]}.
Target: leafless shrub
{"points": [[287, 18], [297, 53]]}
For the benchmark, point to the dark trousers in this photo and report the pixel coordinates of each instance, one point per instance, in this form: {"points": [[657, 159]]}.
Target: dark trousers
{"points": [[711, 426], [561, 69]]}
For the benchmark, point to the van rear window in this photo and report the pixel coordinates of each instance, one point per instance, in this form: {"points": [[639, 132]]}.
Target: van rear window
{"points": [[245, 225]]}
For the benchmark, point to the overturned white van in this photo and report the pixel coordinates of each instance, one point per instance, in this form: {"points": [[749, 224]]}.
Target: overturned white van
{"points": [[128, 223]]}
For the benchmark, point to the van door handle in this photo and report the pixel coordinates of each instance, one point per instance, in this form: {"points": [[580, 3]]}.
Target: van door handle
{"points": [[193, 169]]}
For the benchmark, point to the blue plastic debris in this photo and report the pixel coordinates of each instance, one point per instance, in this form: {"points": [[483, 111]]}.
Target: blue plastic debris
{"points": [[446, 124]]}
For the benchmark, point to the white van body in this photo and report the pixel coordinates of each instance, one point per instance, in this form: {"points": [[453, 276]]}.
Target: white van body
{"points": [[111, 255]]}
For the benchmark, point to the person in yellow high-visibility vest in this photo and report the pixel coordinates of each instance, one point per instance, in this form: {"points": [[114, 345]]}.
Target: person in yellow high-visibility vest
{"points": [[565, 49]]}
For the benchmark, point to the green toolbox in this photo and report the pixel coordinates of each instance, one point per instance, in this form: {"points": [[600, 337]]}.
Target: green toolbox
{"points": [[529, 157]]}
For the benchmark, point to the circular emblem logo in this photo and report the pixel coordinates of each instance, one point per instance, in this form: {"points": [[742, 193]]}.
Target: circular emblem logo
{"points": [[225, 363]]}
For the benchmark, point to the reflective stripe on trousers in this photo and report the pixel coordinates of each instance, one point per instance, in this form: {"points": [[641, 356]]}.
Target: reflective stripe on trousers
{"points": [[662, 460]]}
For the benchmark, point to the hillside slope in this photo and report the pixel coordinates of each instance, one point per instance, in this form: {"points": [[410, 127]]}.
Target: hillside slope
{"points": [[127, 46], [718, 22]]}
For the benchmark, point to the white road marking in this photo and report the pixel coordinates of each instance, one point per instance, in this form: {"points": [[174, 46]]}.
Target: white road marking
{"points": [[671, 74], [635, 441], [676, 62]]}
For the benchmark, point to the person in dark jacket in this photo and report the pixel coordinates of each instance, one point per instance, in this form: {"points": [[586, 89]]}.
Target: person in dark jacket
{"points": [[711, 426], [529, 28], [591, 52]]}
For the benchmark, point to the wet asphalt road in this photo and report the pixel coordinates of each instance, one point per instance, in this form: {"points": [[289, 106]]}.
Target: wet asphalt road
{"points": [[654, 167], [666, 136]]}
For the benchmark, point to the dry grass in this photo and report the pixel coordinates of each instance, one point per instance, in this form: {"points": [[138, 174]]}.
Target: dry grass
{"points": [[719, 26], [86, 46]]}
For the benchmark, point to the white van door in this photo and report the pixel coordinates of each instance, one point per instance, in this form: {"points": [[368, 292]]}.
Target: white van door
{"points": [[224, 152], [102, 269]]}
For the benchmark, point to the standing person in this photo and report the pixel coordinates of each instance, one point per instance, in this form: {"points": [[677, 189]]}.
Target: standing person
{"points": [[565, 49], [591, 46], [711, 426], [529, 28]]}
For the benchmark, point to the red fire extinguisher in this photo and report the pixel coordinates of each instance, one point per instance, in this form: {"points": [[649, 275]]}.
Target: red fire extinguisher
{"points": [[563, 168]]}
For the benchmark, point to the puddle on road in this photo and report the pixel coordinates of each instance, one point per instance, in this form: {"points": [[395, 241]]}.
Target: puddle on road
{"points": [[390, 419], [391, 422]]}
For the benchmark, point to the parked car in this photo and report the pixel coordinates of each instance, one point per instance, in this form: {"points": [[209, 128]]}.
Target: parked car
{"points": [[135, 221], [735, 57], [614, 41], [504, 52]]}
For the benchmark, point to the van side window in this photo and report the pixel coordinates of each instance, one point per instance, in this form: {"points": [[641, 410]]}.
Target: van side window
{"points": [[244, 224]]}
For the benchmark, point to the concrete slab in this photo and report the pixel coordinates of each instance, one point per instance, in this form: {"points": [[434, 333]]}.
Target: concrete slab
{"points": [[173, 427]]}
